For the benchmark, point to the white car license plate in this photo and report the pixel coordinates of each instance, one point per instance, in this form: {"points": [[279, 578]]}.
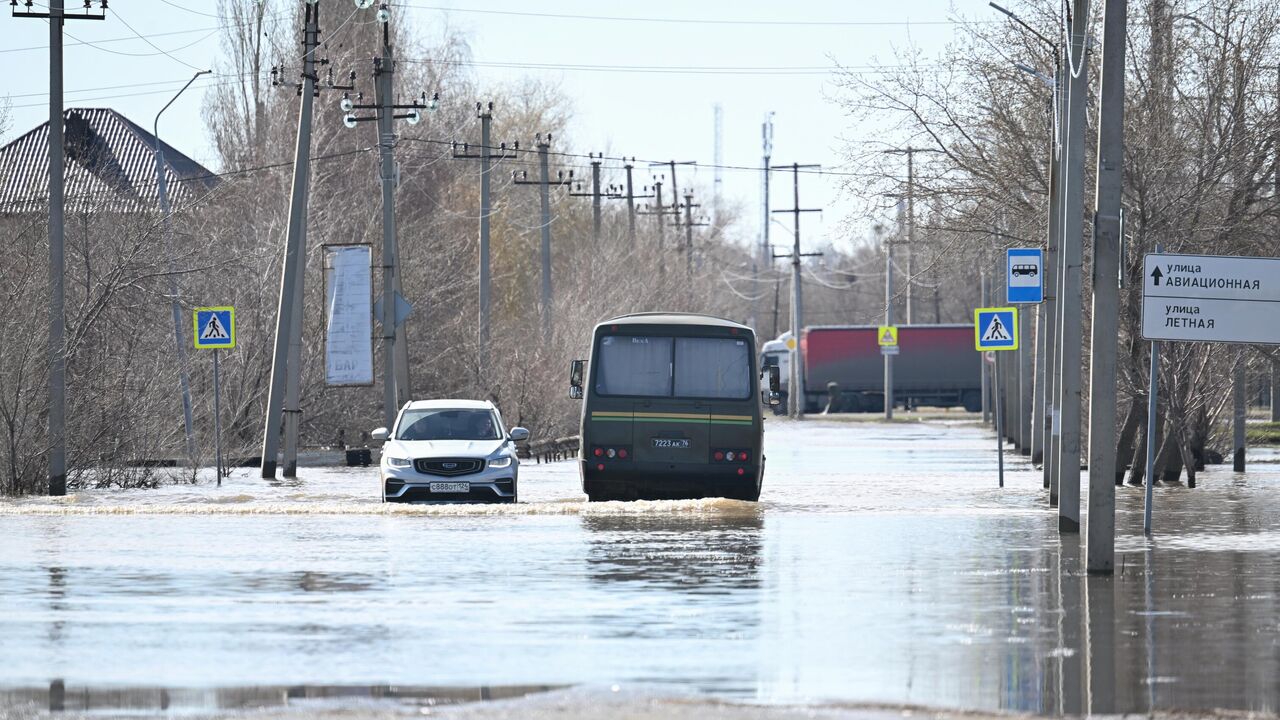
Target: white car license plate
{"points": [[453, 487], [680, 443]]}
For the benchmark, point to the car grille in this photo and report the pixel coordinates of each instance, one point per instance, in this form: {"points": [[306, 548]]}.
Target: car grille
{"points": [[448, 467]]}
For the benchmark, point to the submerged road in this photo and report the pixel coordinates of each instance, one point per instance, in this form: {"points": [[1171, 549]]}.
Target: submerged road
{"points": [[882, 565]]}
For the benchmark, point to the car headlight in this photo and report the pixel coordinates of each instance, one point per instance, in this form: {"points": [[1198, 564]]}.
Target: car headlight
{"points": [[398, 462], [500, 462]]}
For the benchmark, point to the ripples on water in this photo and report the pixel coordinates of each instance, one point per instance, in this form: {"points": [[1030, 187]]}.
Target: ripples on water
{"points": [[882, 565]]}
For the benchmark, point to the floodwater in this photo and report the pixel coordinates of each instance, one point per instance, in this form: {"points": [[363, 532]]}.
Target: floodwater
{"points": [[882, 565]]}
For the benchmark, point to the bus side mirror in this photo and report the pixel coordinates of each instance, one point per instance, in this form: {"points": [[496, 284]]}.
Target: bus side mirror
{"points": [[576, 373], [775, 379]]}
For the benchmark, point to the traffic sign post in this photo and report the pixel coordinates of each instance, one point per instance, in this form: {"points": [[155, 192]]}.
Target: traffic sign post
{"points": [[215, 329], [1024, 276], [996, 329]]}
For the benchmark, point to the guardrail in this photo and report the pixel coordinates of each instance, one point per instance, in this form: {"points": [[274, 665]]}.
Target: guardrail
{"points": [[551, 449]]}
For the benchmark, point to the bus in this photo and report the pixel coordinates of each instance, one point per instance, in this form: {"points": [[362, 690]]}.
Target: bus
{"points": [[671, 409]]}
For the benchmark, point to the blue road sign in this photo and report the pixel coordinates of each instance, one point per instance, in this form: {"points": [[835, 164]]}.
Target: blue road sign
{"points": [[995, 328], [215, 328], [1024, 275]]}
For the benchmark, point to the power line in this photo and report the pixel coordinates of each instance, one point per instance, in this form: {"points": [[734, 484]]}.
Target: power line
{"points": [[696, 21]]}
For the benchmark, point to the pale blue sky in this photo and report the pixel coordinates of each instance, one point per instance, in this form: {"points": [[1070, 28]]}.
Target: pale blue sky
{"points": [[648, 114]]}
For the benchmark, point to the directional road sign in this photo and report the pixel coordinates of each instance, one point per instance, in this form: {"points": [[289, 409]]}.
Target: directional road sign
{"points": [[1024, 275], [995, 328], [215, 328], [1211, 298], [887, 335]]}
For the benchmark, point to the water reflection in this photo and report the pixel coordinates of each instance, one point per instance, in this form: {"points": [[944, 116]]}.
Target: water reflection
{"points": [[58, 697], [708, 555]]}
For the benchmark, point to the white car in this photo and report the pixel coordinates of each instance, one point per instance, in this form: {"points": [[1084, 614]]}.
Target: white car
{"points": [[449, 451]]}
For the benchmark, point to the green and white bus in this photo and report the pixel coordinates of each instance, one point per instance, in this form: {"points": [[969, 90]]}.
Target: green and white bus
{"points": [[672, 409]]}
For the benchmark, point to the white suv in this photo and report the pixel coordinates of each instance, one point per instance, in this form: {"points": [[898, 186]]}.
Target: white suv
{"points": [[449, 451]]}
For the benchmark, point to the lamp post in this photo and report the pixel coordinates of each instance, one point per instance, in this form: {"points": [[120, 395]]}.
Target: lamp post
{"points": [[162, 191]]}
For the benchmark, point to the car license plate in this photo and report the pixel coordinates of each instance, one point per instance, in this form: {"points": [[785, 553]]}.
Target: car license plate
{"points": [[681, 443], [450, 487]]}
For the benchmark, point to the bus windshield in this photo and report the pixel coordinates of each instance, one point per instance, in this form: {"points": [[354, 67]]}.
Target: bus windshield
{"points": [[682, 367]]}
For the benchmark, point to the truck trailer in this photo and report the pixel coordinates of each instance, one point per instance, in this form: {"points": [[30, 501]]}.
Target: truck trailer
{"points": [[936, 365]]}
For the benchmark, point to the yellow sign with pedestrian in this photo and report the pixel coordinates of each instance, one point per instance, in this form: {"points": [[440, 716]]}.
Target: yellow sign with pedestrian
{"points": [[887, 335]]}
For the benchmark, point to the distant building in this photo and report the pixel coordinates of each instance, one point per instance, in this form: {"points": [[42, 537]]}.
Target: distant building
{"points": [[110, 167]]}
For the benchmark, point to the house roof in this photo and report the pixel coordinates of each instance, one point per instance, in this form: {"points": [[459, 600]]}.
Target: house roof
{"points": [[110, 166]]}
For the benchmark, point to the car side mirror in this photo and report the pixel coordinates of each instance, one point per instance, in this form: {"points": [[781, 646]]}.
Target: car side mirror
{"points": [[577, 370], [379, 435], [775, 397], [775, 380], [518, 434]]}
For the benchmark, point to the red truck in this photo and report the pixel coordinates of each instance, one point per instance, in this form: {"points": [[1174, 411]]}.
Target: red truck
{"points": [[937, 365]]}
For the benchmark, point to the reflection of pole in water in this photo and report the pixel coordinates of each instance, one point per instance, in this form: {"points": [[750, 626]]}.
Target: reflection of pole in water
{"points": [[1069, 627], [1100, 643], [1149, 622]]}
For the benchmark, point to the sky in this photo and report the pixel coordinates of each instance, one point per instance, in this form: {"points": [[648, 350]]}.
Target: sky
{"points": [[644, 78]]}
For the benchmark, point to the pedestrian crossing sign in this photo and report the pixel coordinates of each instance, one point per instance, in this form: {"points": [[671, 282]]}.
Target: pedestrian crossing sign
{"points": [[995, 328], [887, 335], [215, 328]]}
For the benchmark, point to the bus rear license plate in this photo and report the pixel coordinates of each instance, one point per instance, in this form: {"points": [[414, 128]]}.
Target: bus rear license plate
{"points": [[682, 443], [453, 487]]}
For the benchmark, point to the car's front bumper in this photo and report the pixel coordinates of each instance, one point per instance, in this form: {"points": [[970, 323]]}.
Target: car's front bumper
{"points": [[488, 485]]}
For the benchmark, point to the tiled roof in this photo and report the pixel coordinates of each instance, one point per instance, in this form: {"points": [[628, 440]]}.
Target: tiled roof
{"points": [[110, 166]]}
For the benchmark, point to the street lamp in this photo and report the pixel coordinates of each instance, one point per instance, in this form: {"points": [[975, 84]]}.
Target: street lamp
{"points": [[162, 192]]}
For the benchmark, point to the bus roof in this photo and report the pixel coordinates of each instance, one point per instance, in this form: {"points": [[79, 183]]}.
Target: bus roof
{"points": [[672, 318]]}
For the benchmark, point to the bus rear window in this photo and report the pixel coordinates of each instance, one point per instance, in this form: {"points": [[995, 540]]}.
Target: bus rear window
{"points": [[634, 366], [717, 368]]}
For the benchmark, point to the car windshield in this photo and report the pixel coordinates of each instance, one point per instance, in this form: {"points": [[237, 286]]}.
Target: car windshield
{"points": [[447, 424], [674, 367]]}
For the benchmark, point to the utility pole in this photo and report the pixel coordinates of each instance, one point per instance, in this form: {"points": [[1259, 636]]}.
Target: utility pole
{"points": [[675, 189], [394, 347], [595, 195], [660, 210], [888, 321], [797, 299], [1106, 293], [162, 188], [763, 254], [56, 16], [628, 193], [1072, 260], [486, 157], [689, 224], [982, 302], [717, 158], [544, 182], [910, 152]]}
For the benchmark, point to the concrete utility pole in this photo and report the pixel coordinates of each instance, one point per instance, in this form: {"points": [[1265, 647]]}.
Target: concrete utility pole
{"points": [[1072, 260], [1106, 293], [628, 193], [986, 389], [56, 16], [293, 367], [395, 380], [763, 255], [596, 194], [675, 189], [796, 394], [689, 224], [486, 158], [888, 321], [162, 189], [544, 182]]}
